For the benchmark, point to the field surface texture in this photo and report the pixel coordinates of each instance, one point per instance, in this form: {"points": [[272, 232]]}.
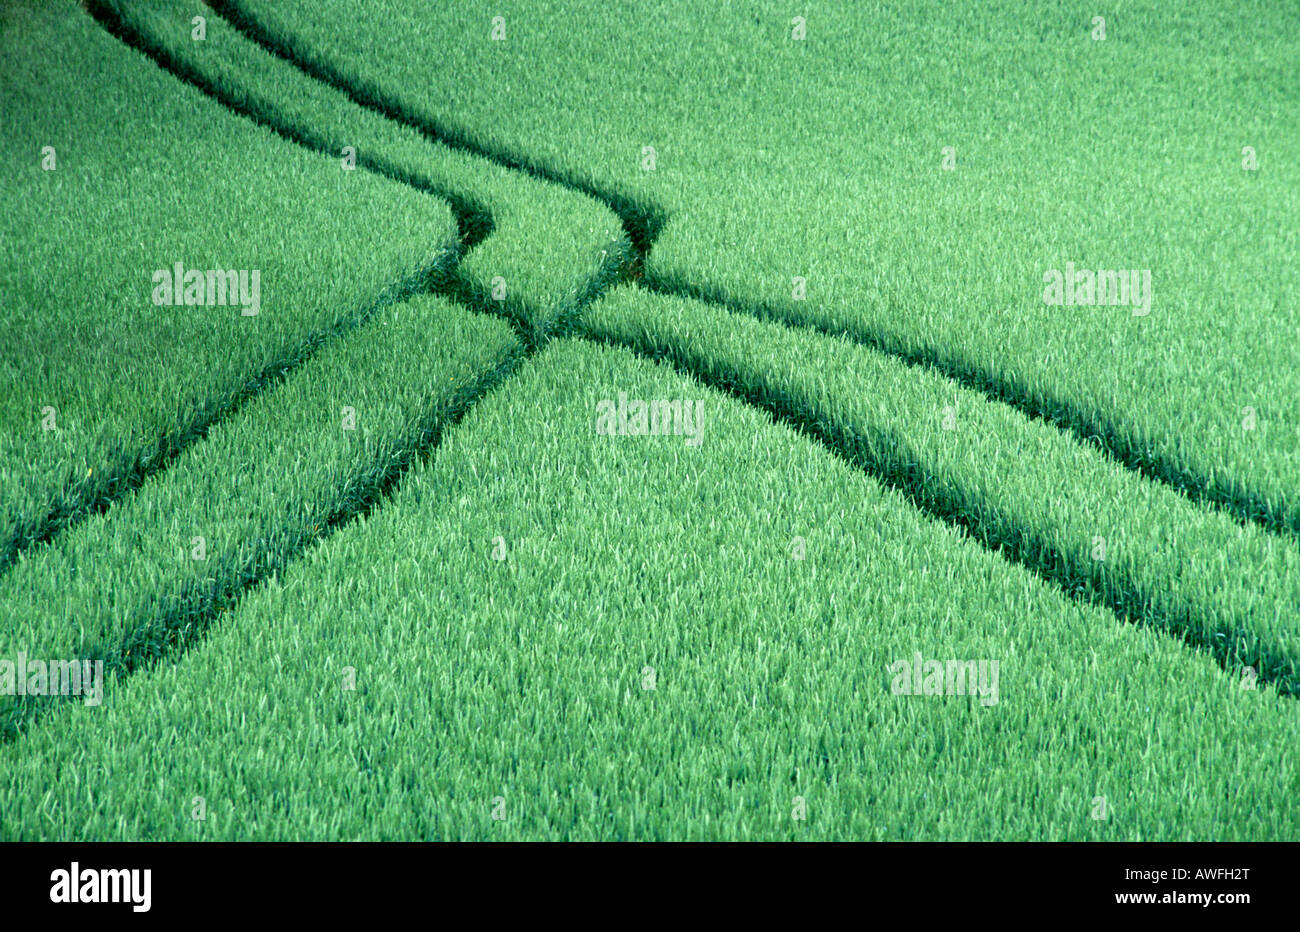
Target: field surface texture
{"points": [[531, 421]]}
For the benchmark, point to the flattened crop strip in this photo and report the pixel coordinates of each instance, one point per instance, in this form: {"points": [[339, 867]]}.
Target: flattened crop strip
{"points": [[883, 455], [306, 477], [115, 480], [1087, 426], [1170, 565], [473, 220], [644, 221], [171, 619]]}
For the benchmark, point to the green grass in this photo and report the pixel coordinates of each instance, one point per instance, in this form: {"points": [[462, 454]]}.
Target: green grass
{"points": [[127, 585], [132, 383], [823, 159], [523, 678]]}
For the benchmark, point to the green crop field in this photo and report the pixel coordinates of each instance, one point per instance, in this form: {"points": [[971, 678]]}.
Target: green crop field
{"points": [[696, 421]]}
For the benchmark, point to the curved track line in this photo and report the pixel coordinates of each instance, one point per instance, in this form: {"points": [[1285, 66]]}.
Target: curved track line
{"points": [[642, 225], [473, 222], [191, 608], [1021, 546], [184, 625], [1126, 602], [644, 221]]}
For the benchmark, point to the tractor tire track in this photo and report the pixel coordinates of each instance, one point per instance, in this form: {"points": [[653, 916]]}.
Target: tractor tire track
{"points": [[123, 477], [1087, 426], [888, 457], [645, 221], [117, 480], [642, 224], [190, 611]]}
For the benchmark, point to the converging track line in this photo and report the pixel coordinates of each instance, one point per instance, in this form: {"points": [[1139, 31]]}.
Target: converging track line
{"points": [[642, 224], [645, 221]]}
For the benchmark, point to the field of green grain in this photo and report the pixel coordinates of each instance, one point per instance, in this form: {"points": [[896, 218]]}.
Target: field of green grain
{"points": [[652, 426]]}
